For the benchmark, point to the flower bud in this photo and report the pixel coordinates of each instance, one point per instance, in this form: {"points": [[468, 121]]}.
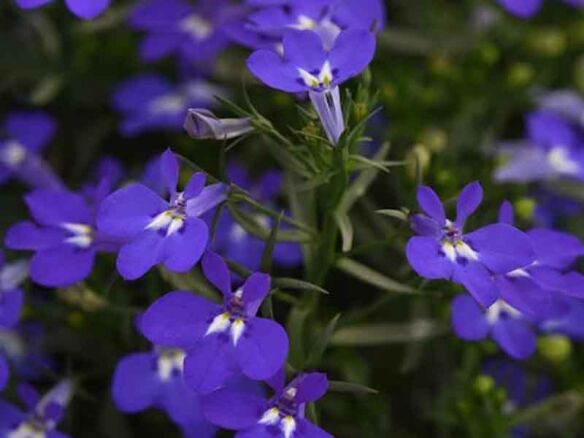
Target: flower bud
{"points": [[203, 124]]}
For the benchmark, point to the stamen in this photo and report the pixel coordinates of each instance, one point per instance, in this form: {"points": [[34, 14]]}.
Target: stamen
{"points": [[219, 324], [160, 221], [271, 416], [309, 79]]}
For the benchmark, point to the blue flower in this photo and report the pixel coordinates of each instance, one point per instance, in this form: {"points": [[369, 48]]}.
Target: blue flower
{"points": [[150, 102], [306, 65], [220, 340], [85, 9], [281, 416], [26, 135], [63, 237], [554, 149], [193, 32], [43, 415], [443, 250], [528, 8]]}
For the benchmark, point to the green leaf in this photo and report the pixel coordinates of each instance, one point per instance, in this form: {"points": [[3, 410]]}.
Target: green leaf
{"points": [[320, 345], [385, 333], [346, 229], [266, 263], [350, 388], [402, 215], [193, 281], [296, 330], [372, 277], [294, 283]]}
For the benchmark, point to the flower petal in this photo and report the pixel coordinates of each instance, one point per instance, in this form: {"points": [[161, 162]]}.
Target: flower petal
{"points": [[217, 272], [352, 52], [210, 363], [10, 306], [272, 70], [169, 170], [195, 185], [4, 372], [61, 266], [431, 204], [478, 281], [506, 214], [177, 319], [232, 409], [306, 429], [31, 129], [501, 247], [87, 9], [209, 198], [53, 208], [135, 384], [310, 387], [514, 337], [469, 200], [136, 258], [554, 248], [183, 249], [255, 289], [26, 235], [127, 212], [426, 257], [522, 8], [262, 349], [468, 319], [303, 49]]}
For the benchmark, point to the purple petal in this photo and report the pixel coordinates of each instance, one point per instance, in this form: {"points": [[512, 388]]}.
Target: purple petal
{"points": [[137, 93], [574, 282], [31, 129], [303, 49], [61, 265], [9, 416], [181, 403], [4, 372], [523, 294], [468, 319], [309, 387], [135, 383], [501, 247], [217, 272], [53, 208], [305, 429], [169, 170], [210, 363], [31, 4], [352, 52], [177, 319], [157, 45], [157, 14], [548, 130], [506, 214], [521, 8], [136, 258], [232, 409], [183, 249], [262, 349], [478, 281], [554, 248], [128, 211], [26, 235], [255, 289], [10, 307], [514, 337], [87, 9], [195, 185], [468, 201], [426, 258], [431, 204], [258, 431], [210, 197], [271, 69]]}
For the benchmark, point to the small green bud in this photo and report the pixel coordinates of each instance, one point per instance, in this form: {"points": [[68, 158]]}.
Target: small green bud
{"points": [[525, 207], [556, 348], [484, 384], [520, 74]]}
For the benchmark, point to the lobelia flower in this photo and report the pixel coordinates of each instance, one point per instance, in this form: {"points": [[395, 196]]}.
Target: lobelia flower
{"points": [[12, 275], [570, 323], [202, 124], [26, 135], [85, 9], [442, 250], [554, 149], [43, 415], [160, 231], [307, 66], [281, 416], [155, 379], [536, 289], [508, 327], [150, 102], [233, 242], [565, 103], [220, 340], [528, 8], [193, 32], [63, 237]]}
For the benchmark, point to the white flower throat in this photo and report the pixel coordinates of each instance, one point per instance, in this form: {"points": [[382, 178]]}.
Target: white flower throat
{"points": [[13, 154], [318, 80], [170, 361], [81, 235], [172, 220], [454, 247], [232, 320], [283, 414]]}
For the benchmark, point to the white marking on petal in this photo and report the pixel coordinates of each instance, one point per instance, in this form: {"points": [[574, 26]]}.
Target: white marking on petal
{"points": [[237, 233], [237, 329], [463, 250], [27, 430], [309, 79], [288, 426], [196, 26], [175, 225], [449, 251], [326, 75], [13, 153], [160, 221], [291, 392], [497, 308], [169, 361], [559, 159], [518, 273], [271, 416], [219, 324], [82, 234], [304, 23], [168, 103]]}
